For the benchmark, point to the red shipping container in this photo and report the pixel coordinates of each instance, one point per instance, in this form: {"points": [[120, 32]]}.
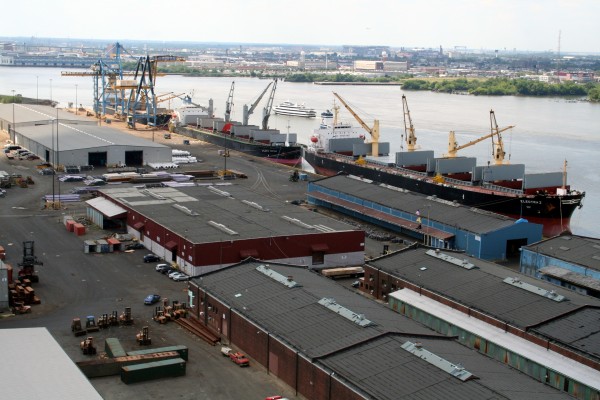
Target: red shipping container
{"points": [[71, 225], [79, 229]]}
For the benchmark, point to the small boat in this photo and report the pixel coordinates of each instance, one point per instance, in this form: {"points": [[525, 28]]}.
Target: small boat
{"points": [[294, 109], [327, 114]]}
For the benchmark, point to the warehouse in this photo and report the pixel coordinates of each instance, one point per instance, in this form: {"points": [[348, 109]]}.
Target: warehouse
{"points": [[208, 226], [328, 342], [34, 366], [62, 138], [443, 224], [567, 260], [547, 332]]}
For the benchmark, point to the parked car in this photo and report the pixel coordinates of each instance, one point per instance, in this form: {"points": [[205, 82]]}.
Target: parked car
{"points": [[148, 258], [2, 192], [355, 284], [181, 277], [168, 270], [160, 267], [173, 273], [151, 299], [135, 246]]}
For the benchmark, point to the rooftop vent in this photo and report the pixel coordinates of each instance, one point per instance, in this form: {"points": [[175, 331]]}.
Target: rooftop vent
{"points": [[296, 221], [152, 194], [185, 210], [550, 294], [255, 205], [456, 370], [358, 319], [358, 178], [219, 191], [223, 228], [283, 279], [324, 228], [452, 260]]}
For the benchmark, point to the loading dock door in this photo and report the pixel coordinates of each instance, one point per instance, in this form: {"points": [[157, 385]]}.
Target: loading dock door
{"points": [[134, 158], [513, 248], [97, 159]]}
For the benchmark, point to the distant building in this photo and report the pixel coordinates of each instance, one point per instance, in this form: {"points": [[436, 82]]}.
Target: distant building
{"points": [[368, 65], [395, 66]]}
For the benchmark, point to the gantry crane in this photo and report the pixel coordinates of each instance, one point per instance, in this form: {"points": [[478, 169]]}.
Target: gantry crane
{"points": [[247, 111], [267, 109], [409, 129], [229, 103], [497, 144], [374, 131]]}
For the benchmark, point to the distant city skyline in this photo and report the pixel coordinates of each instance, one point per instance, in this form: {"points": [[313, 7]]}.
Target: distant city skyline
{"points": [[524, 25]]}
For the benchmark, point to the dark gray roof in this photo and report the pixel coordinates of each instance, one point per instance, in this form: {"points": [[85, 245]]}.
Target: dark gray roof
{"points": [[382, 368], [74, 132], [579, 329], [294, 313], [470, 219], [243, 218], [483, 289], [370, 358], [578, 250]]}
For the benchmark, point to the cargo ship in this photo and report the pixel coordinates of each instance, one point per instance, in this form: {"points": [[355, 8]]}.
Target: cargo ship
{"points": [[270, 144], [543, 198]]}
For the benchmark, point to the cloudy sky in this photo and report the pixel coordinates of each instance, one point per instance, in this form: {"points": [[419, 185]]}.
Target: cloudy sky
{"points": [[478, 24]]}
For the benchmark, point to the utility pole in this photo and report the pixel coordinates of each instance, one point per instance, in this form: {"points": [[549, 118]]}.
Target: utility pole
{"points": [[558, 57], [76, 107]]}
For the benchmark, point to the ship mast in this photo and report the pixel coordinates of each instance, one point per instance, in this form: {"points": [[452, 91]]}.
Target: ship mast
{"points": [[409, 129]]}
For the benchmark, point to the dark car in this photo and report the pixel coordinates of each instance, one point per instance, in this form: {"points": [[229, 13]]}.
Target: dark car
{"points": [[135, 246], [167, 271], [151, 299], [148, 258]]}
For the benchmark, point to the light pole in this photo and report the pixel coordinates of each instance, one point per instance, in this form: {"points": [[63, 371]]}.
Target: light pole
{"points": [[50, 91], [37, 90], [76, 107], [13, 124]]}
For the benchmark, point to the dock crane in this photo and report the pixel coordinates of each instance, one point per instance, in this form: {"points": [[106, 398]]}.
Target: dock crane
{"points": [[229, 103], [268, 107], [409, 129], [497, 144], [247, 111], [374, 131]]}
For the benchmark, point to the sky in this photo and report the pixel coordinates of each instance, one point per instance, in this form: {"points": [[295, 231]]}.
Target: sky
{"points": [[524, 25]]}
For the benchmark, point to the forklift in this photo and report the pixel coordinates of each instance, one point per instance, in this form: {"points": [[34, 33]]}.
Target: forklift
{"points": [[29, 262], [143, 338]]}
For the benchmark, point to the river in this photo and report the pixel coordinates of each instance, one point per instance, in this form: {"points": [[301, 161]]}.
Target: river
{"points": [[547, 131]]}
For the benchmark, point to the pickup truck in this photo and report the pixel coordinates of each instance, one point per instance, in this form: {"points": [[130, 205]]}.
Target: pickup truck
{"points": [[238, 358]]}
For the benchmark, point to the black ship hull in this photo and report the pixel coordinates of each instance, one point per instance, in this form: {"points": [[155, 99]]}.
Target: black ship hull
{"points": [[287, 155], [552, 211]]}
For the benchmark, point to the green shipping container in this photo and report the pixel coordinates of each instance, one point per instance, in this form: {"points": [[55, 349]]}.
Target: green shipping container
{"points": [[154, 370], [113, 348], [182, 350]]}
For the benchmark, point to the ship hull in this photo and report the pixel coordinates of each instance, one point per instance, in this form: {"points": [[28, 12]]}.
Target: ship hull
{"points": [[287, 155], [552, 211]]}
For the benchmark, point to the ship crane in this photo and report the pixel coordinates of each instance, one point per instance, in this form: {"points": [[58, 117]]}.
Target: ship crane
{"points": [[249, 110], [409, 129], [269, 107], [497, 144], [229, 103], [374, 131]]}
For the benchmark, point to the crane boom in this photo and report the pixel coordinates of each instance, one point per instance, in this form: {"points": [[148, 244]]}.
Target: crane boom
{"points": [[409, 129], [374, 131], [229, 103], [269, 107], [249, 110], [498, 146]]}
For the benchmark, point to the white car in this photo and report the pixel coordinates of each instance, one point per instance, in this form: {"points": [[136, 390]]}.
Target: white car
{"points": [[161, 266], [180, 277], [172, 274]]}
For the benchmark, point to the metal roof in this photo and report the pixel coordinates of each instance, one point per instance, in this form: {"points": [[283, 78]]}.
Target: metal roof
{"points": [[73, 132], [188, 211], [578, 250], [431, 208], [34, 366], [106, 207], [370, 358], [482, 288]]}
